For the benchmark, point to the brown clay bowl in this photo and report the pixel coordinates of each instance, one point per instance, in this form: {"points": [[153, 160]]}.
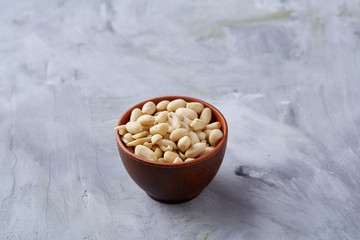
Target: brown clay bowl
{"points": [[169, 182]]}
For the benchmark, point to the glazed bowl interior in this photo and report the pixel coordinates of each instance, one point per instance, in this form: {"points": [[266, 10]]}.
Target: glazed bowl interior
{"points": [[216, 116]]}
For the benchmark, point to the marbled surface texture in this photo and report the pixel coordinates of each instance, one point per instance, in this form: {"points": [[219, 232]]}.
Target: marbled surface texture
{"points": [[285, 74]]}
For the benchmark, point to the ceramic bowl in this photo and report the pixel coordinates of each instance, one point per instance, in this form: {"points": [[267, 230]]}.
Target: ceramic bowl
{"points": [[169, 182]]}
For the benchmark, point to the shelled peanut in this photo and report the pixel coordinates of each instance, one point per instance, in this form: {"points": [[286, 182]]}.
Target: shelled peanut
{"points": [[171, 131]]}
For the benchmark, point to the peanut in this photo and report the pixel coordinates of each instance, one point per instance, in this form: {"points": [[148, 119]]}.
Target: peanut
{"points": [[207, 132], [214, 125], [195, 150], [161, 106], [197, 107], [189, 159], [161, 128], [165, 148], [184, 125], [174, 120], [127, 138], [184, 143], [197, 124], [138, 141], [121, 129], [145, 152], [206, 115], [166, 142], [206, 150], [215, 137], [175, 104], [177, 160], [193, 137], [186, 121], [158, 152], [155, 138], [178, 133], [135, 114], [201, 135], [162, 117], [186, 112], [149, 108], [140, 135], [134, 127], [148, 145], [170, 156], [146, 120], [182, 155]]}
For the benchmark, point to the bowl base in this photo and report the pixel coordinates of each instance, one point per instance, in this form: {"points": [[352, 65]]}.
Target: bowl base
{"points": [[173, 201]]}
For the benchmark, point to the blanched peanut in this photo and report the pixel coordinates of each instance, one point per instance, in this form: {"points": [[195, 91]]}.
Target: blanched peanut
{"points": [[175, 104], [134, 127], [189, 159], [180, 116], [145, 152], [166, 148], [193, 138], [174, 120], [178, 133], [206, 115], [138, 141], [177, 160], [214, 125], [169, 156], [161, 106], [204, 141], [195, 150], [215, 137], [197, 124], [171, 128], [140, 135], [161, 160], [162, 117], [146, 120], [121, 129], [165, 143], [186, 112], [161, 128], [127, 138], [206, 150], [196, 106], [184, 143], [184, 125], [201, 135], [186, 121], [155, 138], [148, 145], [158, 152], [207, 132], [135, 114], [182, 155], [149, 108]]}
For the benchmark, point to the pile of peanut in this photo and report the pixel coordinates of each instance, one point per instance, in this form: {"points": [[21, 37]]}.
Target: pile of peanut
{"points": [[171, 132]]}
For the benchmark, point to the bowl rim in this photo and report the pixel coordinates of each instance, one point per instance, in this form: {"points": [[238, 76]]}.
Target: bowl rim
{"points": [[174, 165]]}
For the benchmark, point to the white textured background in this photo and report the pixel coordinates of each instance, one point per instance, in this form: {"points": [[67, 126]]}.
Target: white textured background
{"points": [[286, 75]]}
